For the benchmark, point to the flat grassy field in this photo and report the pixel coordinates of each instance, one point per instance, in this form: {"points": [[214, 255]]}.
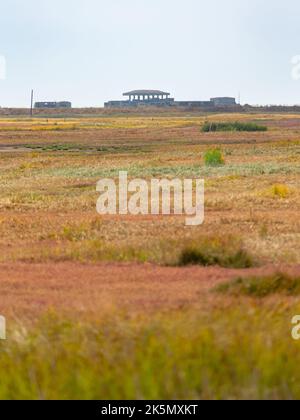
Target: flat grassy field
{"points": [[109, 307]]}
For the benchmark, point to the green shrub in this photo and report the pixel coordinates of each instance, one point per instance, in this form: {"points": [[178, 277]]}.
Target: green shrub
{"points": [[225, 253], [210, 127], [214, 158], [262, 286]]}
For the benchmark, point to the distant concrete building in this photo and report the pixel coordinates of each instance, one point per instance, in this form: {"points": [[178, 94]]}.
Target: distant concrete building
{"points": [[137, 98], [53, 105], [223, 101], [149, 96]]}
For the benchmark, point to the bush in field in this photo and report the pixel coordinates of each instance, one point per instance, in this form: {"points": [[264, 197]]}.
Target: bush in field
{"points": [[280, 191], [227, 253], [210, 127], [262, 286], [214, 157]]}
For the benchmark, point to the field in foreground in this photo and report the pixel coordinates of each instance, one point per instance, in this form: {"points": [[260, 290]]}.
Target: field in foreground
{"points": [[101, 307]]}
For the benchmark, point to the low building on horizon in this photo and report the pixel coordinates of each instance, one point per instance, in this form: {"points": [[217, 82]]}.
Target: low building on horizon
{"points": [[224, 101], [53, 105], [142, 98]]}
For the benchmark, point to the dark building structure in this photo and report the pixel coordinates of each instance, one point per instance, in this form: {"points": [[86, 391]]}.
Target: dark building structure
{"points": [[223, 101], [142, 98], [213, 103], [53, 105], [137, 98]]}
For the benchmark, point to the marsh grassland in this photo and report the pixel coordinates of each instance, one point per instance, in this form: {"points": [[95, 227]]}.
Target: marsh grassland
{"points": [[143, 306]]}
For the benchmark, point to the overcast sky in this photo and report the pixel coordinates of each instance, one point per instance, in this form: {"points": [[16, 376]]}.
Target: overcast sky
{"points": [[90, 51]]}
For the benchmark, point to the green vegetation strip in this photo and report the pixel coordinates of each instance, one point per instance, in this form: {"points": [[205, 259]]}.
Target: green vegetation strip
{"points": [[210, 127], [262, 286]]}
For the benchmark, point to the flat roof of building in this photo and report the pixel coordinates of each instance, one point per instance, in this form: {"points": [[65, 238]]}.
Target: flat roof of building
{"points": [[145, 92], [222, 97]]}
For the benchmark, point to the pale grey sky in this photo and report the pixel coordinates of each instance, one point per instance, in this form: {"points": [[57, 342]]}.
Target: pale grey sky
{"points": [[90, 51]]}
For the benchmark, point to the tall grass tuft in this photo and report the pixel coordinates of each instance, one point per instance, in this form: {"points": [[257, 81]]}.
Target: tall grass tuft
{"points": [[214, 157], [280, 191]]}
